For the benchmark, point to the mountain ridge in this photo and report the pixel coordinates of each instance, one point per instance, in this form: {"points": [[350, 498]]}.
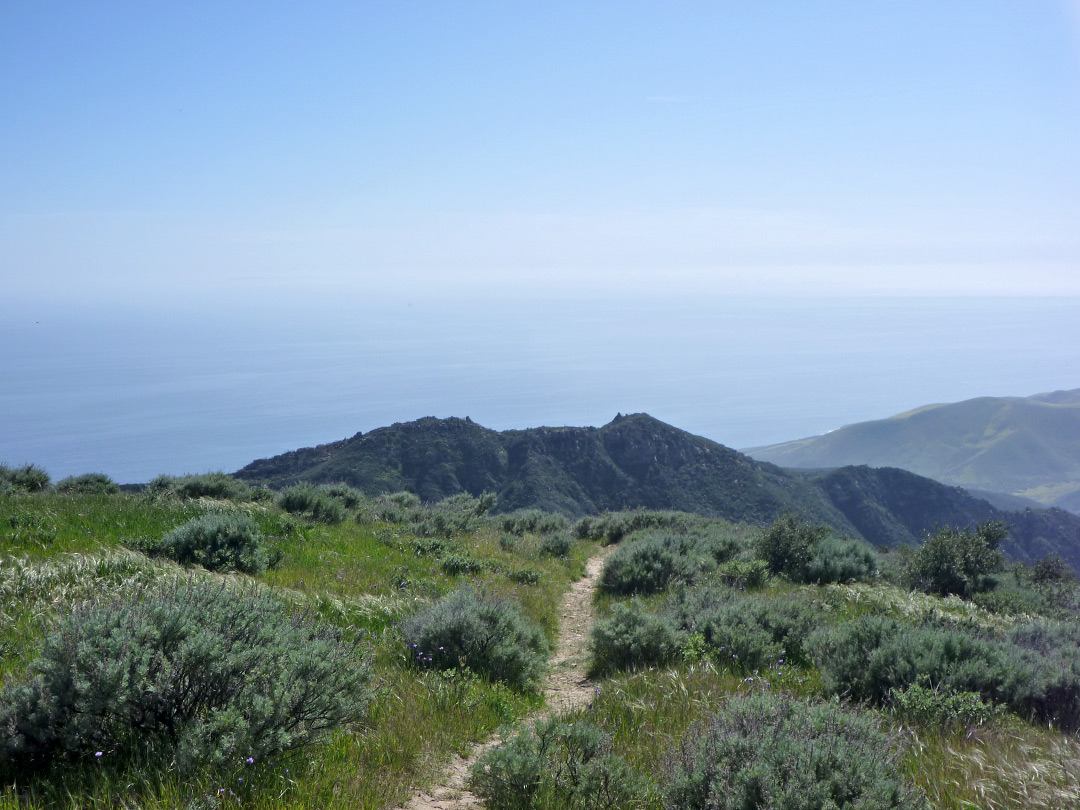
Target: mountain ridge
{"points": [[638, 461]]}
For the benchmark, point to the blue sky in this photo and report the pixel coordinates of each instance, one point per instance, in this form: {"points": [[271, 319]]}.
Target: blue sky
{"points": [[154, 151]]}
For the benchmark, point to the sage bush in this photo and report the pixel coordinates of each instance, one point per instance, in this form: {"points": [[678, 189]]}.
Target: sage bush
{"points": [[197, 675], [488, 635], [771, 751]]}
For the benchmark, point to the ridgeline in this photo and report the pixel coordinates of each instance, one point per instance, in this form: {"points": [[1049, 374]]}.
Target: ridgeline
{"points": [[638, 461]]}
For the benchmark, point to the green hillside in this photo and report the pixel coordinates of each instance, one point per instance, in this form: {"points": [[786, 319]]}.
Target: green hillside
{"points": [[637, 461], [1028, 447], [206, 644]]}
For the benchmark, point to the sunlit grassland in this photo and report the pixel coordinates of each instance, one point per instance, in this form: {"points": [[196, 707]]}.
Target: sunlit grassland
{"points": [[364, 576], [46, 525]]}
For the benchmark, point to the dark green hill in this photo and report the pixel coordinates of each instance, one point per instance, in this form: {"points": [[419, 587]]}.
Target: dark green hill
{"points": [[892, 507], [638, 461], [632, 461], [1024, 446]]}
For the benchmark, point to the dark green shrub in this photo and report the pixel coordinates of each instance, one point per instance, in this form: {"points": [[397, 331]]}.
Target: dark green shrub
{"points": [[934, 707], [746, 631], [769, 751], [350, 497], [195, 674], [402, 500], [557, 545], [714, 544], [745, 574], [27, 478], [631, 638], [1034, 670], [612, 527], [526, 576], [217, 542], [961, 562], [430, 545], [555, 765], [488, 635], [648, 564], [787, 546], [305, 499], [216, 485], [88, 484], [835, 559], [457, 514], [1012, 600], [532, 521], [454, 564]]}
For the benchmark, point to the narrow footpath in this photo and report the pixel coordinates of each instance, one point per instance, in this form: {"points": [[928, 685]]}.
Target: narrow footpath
{"points": [[567, 687]]}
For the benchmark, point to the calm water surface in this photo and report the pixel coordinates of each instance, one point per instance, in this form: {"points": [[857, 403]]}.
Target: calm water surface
{"points": [[160, 390]]}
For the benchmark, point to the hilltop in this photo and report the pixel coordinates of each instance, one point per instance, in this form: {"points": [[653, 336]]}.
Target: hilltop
{"points": [[638, 461], [1024, 446]]}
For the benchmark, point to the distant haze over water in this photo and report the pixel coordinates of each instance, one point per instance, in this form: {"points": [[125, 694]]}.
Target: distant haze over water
{"points": [[191, 389]]}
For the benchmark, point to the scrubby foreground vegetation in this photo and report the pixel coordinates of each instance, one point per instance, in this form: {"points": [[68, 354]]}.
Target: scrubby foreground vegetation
{"points": [[784, 667], [207, 643]]}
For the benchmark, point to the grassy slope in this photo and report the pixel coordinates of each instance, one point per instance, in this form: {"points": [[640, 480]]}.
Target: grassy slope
{"points": [[1025, 446], [365, 574], [369, 574]]}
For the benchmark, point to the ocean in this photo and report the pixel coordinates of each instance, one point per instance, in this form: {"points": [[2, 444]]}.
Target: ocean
{"points": [[139, 391]]}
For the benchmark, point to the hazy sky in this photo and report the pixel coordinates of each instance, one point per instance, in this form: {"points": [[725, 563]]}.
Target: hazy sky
{"points": [[175, 149]]}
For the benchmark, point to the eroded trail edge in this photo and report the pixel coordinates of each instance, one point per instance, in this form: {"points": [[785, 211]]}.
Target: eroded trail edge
{"points": [[567, 687]]}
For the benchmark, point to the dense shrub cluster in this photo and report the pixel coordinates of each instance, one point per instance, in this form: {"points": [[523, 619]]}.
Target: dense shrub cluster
{"points": [[632, 637], [612, 527], [556, 765], [454, 564], [88, 484], [956, 561], [216, 485], [488, 635], [806, 553], [350, 497], [526, 576], [1034, 669], [312, 502], [27, 478], [557, 545], [935, 707], [769, 751], [195, 674], [738, 630], [530, 521], [454, 515], [217, 542], [647, 562], [746, 631]]}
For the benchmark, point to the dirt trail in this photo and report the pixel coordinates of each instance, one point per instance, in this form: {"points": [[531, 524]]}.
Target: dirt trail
{"points": [[567, 687]]}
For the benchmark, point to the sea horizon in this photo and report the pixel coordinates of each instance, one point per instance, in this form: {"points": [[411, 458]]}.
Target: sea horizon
{"points": [[139, 391]]}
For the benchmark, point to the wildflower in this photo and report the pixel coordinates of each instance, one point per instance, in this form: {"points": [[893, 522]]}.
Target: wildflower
{"points": [[249, 760], [98, 753]]}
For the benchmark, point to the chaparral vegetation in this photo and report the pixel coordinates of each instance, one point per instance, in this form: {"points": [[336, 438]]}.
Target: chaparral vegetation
{"points": [[202, 642]]}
